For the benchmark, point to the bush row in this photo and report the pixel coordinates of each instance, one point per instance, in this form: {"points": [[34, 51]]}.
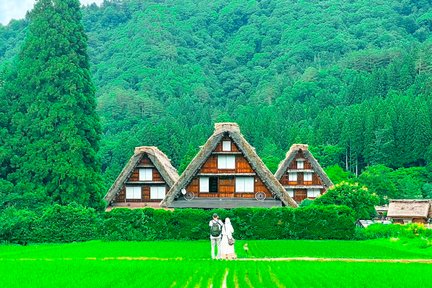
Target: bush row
{"points": [[74, 223], [393, 230]]}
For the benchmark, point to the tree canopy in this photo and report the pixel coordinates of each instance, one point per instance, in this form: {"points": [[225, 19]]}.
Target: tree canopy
{"points": [[349, 78], [53, 130]]}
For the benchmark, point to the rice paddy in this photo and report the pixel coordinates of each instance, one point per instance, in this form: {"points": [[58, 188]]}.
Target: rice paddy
{"points": [[187, 264]]}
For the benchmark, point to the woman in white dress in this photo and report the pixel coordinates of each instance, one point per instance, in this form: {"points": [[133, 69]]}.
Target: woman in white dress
{"points": [[226, 249]]}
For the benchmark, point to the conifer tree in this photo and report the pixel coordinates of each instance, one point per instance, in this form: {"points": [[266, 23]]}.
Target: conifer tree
{"points": [[53, 119]]}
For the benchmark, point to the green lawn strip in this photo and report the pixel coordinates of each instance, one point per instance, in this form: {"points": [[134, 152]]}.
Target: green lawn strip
{"points": [[370, 249], [99, 249], [375, 249], [203, 273]]}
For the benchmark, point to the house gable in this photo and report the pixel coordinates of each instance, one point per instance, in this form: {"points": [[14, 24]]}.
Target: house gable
{"points": [[144, 180], [301, 175], [228, 176]]}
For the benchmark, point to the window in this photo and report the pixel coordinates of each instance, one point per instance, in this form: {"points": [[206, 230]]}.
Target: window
{"points": [[133, 192], [300, 164], [157, 192], [226, 145], [307, 177], [290, 192], [245, 184], [213, 184], [146, 174], [292, 177], [204, 184], [226, 162], [313, 193]]}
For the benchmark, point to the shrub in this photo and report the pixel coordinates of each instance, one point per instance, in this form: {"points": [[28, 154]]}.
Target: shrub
{"points": [[352, 195], [16, 226], [306, 202], [66, 224]]}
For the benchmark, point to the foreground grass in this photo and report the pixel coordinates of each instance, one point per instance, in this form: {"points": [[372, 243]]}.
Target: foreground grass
{"points": [[96, 264], [206, 273]]}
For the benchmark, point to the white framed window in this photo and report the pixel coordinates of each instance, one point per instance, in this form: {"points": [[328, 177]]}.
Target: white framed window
{"points": [[292, 177], [300, 164], [226, 161], [204, 184], [308, 176], [290, 192], [226, 145], [133, 192], [146, 174], [245, 184], [313, 193], [157, 192]]}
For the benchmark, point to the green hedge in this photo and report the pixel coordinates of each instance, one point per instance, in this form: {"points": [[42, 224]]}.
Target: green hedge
{"points": [[74, 223]]}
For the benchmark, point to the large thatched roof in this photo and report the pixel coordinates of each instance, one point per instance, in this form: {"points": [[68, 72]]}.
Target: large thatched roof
{"points": [[160, 161], [233, 131], [290, 156], [409, 208]]}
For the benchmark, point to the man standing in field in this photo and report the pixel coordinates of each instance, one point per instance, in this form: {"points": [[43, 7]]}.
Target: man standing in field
{"points": [[215, 235]]}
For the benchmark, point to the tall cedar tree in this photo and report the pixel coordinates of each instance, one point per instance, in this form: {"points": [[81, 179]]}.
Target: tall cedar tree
{"points": [[54, 127]]}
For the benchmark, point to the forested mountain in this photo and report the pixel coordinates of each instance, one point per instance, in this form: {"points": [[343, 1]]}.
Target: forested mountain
{"points": [[350, 78]]}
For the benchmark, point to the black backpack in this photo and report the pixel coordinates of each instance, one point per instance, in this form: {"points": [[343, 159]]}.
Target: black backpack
{"points": [[215, 229]]}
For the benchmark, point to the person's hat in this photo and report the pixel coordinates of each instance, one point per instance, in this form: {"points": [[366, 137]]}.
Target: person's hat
{"points": [[215, 215]]}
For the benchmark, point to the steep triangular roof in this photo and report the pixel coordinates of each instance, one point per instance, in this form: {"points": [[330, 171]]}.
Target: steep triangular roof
{"points": [[290, 155], [233, 131], [160, 161]]}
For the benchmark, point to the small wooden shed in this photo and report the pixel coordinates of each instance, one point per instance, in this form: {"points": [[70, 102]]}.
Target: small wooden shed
{"points": [[405, 211]]}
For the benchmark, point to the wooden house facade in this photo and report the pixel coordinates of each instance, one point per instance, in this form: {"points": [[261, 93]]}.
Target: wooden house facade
{"points": [[406, 211], [301, 175], [227, 173], [144, 181]]}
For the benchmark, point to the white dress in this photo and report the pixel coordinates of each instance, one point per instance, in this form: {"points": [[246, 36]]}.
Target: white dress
{"points": [[226, 249]]}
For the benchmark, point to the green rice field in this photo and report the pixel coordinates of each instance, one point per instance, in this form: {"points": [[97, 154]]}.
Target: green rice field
{"points": [[187, 264]]}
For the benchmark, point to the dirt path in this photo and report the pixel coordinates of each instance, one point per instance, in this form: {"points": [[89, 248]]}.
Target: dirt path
{"points": [[305, 259], [315, 259]]}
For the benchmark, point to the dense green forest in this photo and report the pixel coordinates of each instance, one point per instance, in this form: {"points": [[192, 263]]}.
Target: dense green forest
{"points": [[350, 78]]}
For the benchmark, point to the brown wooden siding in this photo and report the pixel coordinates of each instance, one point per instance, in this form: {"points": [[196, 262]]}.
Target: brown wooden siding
{"points": [[301, 194], [210, 166], [145, 160], [226, 188], [293, 164], [134, 176], [316, 180], [157, 177], [242, 165]]}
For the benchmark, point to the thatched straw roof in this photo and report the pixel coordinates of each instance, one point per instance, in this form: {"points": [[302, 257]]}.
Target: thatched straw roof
{"points": [[233, 131], [409, 208], [290, 156], [160, 161]]}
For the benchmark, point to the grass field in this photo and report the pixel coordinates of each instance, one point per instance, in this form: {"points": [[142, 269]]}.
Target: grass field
{"points": [[105, 264]]}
